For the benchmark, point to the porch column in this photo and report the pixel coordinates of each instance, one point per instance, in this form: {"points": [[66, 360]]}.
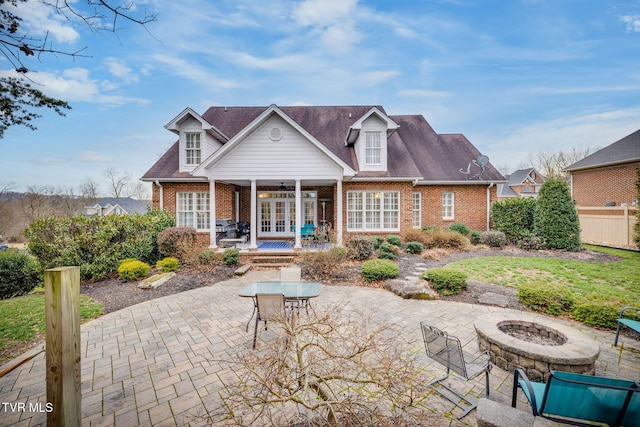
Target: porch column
{"points": [[212, 214], [298, 240], [253, 227], [339, 207]]}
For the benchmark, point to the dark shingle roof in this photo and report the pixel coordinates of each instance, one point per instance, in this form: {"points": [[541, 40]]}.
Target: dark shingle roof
{"points": [[127, 203], [414, 150], [625, 150]]}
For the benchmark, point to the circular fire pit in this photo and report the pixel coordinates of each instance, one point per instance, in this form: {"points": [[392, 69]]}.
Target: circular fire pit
{"points": [[535, 344]]}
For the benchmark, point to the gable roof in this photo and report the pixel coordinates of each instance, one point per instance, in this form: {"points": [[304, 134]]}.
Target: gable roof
{"points": [[127, 203], [625, 150], [415, 150]]}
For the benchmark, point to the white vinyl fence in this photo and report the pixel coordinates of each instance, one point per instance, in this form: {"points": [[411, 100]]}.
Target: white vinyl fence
{"points": [[608, 226]]}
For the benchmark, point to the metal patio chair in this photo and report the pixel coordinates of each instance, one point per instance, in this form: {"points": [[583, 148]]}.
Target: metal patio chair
{"points": [[269, 307], [447, 350], [294, 274]]}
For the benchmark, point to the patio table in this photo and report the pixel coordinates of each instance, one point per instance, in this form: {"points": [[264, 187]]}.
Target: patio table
{"points": [[292, 291]]}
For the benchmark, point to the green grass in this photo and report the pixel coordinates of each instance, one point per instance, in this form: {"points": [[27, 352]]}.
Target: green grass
{"points": [[22, 319], [616, 280]]}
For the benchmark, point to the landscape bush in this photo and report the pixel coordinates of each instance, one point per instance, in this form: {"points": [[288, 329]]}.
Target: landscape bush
{"points": [[445, 239], [360, 248], [379, 269], [168, 264], [377, 241], [414, 248], [556, 218], [19, 274], [133, 270], [96, 244], [593, 310], [547, 298], [430, 228], [514, 217], [435, 254], [323, 264], [388, 251], [177, 242], [230, 256], [208, 257], [474, 237], [494, 239], [529, 242], [460, 228], [446, 281], [414, 235], [395, 241]]}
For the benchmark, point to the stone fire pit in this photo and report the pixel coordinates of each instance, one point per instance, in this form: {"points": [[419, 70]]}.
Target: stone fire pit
{"points": [[535, 344]]}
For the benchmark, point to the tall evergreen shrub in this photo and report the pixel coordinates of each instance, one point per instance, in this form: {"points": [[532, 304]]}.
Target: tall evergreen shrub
{"points": [[514, 217], [556, 218]]}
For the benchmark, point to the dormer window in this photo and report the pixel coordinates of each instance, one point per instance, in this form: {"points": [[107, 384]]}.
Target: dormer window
{"points": [[372, 148], [193, 148]]}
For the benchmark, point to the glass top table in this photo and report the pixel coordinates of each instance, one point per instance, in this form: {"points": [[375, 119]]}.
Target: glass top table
{"points": [[290, 290]]}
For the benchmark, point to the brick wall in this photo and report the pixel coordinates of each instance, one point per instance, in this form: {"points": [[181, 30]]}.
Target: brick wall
{"points": [[598, 186]]}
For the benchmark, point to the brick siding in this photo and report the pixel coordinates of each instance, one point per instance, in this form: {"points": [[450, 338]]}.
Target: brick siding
{"points": [[595, 187]]}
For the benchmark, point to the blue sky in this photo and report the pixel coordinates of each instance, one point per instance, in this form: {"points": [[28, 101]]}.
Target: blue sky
{"points": [[514, 76]]}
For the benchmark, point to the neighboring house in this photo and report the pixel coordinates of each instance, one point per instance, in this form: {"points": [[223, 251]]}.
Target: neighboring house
{"points": [[608, 176], [355, 167], [116, 206], [521, 183]]}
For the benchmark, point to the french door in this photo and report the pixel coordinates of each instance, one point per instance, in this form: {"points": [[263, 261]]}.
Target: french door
{"points": [[277, 212]]}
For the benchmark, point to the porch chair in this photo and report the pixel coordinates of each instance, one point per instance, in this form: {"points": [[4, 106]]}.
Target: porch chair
{"points": [[269, 307], [294, 274], [447, 350]]}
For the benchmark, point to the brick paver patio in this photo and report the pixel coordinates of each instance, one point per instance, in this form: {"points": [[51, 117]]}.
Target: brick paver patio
{"points": [[156, 363]]}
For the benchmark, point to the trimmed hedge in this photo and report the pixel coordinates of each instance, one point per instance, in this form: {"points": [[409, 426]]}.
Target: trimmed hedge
{"points": [[133, 270], [177, 242], [514, 217], [593, 310], [19, 274], [446, 281], [414, 248], [547, 298], [379, 269], [230, 256], [556, 218], [168, 264]]}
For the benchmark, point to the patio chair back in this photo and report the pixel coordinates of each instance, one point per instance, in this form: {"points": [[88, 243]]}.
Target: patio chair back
{"points": [[290, 274], [444, 349], [269, 307]]}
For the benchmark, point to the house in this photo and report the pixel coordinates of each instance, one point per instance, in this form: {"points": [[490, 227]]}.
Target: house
{"points": [[354, 167], [116, 206], [521, 183], [608, 176]]}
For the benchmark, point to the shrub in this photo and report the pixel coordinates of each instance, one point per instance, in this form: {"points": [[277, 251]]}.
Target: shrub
{"points": [[529, 242], [133, 270], [388, 251], [414, 235], [96, 244], [435, 254], [474, 237], [546, 298], [514, 217], [556, 219], [445, 239], [360, 248], [446, 281], [494, 239], [19, 274], [414, 247], [177, 242], [430, 228], [208, 257], [377, 241], [230, 256], [379, 269], [395, 241], [593, 310], [460, 228], [168, 264], [323, 264]]}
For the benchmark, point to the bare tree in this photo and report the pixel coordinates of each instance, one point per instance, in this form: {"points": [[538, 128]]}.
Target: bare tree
{"points": [[551, 164], [338, 367], [117, 182], [89, 190]]}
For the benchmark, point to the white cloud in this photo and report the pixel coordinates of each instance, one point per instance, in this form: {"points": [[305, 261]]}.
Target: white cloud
{"points": [[120, 70], [420, 93], [40, 20], [191, 71], [632, 22], [89, 156]]}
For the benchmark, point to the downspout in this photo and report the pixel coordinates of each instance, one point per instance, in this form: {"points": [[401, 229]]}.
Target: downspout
{"points": [[161, 192], [489, 204]]}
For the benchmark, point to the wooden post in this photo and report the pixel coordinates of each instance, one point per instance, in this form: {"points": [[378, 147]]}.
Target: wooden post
{"points": [[62, 299]]}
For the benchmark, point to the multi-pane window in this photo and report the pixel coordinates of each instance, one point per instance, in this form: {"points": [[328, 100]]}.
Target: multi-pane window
{"points": [[447, 205], [373, 210], [193, 150], [193, 210], [372, 148], [416, 210]]}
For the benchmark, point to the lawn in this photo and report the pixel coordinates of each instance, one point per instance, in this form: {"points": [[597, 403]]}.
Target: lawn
{"points": [[616, 280], [22, 319]]}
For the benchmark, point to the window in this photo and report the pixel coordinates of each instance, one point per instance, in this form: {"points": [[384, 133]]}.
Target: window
{"points": [[372, 148], [373, 210], [416, 210], [447, 205], [193, 210], [192, 148]]}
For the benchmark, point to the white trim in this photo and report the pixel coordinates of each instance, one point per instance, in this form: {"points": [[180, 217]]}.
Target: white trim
{"points": [[415, 211], [453, 205], [379, 211]]}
